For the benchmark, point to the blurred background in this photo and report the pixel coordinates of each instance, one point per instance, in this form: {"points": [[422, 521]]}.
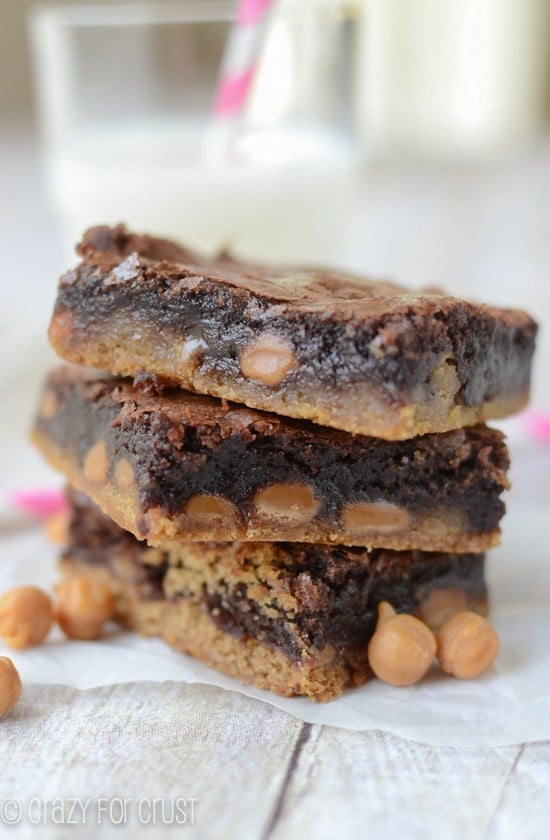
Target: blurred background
{"points": [[407, 139]]}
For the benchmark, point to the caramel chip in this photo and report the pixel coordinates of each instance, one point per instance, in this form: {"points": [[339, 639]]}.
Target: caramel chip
{"points": [[359, 518], [96, 463], [268, 359], [288, 503], [124, 474], [205, 512]]}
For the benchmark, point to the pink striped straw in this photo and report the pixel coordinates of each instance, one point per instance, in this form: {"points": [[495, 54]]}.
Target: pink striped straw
{"points": [[38, 503], [21, 509], [241, 57], [537, 425]]}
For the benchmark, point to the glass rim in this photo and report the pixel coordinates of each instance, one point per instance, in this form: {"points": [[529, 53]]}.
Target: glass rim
{"points": [[141, 13], [131, 14]]}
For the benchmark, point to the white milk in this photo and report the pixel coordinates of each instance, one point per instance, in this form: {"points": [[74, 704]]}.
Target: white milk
{"points": [[285, 198]]}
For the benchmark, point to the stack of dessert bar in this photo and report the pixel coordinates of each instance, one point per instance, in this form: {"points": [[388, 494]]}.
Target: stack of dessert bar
{"points": [[260, 542]]}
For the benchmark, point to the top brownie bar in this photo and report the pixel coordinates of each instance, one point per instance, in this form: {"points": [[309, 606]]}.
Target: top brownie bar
{"points": [[367, 357]]}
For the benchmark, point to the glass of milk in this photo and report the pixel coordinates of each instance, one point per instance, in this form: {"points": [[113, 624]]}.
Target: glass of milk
{"points": [[126, 93]]}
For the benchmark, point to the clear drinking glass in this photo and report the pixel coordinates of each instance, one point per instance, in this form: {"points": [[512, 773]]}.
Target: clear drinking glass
{"points": [[125, 95]]}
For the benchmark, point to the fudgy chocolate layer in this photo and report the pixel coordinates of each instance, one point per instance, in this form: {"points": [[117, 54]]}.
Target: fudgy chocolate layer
{"points": [[288, 595], [339, 331], [182, 446]]}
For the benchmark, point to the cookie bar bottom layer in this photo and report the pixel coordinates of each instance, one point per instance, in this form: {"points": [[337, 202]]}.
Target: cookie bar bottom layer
{"points": [[294, 619]]}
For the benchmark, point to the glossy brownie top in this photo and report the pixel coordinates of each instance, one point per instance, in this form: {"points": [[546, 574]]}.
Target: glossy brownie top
{"points": [[123, 257]]}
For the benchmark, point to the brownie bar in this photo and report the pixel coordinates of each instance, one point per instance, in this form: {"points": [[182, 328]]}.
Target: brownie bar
{"points": [[368, 357], [168, 465], [289, 617]]}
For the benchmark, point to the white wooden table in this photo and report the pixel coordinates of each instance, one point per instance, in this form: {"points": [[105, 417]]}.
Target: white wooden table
{"points": [[244, 768]]}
